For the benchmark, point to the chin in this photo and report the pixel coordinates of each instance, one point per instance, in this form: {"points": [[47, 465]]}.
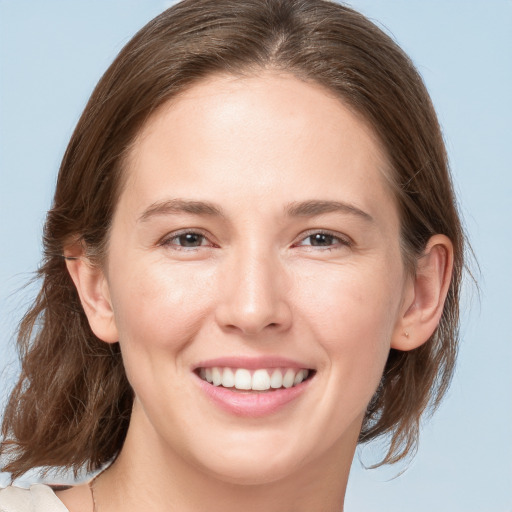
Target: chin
{"points": [[248, 458], [249, 471]]}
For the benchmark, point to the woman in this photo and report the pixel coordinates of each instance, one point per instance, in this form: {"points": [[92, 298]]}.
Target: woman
{"points": [[252, 264]]}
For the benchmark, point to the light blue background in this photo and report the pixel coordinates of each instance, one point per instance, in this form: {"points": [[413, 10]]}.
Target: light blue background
{"points": [[52, 53]]}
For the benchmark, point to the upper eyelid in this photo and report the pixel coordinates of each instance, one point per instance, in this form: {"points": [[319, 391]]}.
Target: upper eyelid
{"points": [[344, 238], [174, 234]]}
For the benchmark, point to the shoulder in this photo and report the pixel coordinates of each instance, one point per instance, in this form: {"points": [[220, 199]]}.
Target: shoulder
{"points": [[38, 498]]}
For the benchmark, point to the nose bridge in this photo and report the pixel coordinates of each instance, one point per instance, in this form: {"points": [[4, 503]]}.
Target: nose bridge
{"points": [[254, 292]]}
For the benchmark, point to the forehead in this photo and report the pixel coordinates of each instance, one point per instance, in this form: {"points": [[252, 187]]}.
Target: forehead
{"points": [[259, 135], [262, 99]]}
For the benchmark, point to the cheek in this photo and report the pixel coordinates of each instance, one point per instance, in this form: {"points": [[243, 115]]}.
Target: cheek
{"points": [[158, 313], [160, 306], [351, 300], [351, 311]]}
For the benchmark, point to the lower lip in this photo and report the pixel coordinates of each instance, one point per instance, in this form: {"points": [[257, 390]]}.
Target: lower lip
{"points": [[252, 404]]}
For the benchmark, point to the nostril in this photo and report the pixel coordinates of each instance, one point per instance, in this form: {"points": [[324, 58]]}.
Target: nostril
{"points": [[253, 316]]}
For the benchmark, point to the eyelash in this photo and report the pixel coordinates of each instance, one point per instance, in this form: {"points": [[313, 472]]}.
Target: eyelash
{"points": [[167, 241], [342, 241]]}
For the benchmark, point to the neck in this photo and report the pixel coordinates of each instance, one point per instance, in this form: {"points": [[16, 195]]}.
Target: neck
{"points": [[148, 476]]}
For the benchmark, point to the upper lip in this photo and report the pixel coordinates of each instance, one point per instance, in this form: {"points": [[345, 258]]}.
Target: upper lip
{"points": [[252, 363]]}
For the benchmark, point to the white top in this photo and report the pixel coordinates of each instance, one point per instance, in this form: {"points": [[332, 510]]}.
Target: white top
{"points": [[39, 498]]}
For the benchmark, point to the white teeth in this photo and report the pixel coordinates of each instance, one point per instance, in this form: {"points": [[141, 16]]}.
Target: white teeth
{"points": [[288, 378], [301, 375], [261, 380], [216, 376], [243, 379], [228, 378], [258, 380], [276, 381]]}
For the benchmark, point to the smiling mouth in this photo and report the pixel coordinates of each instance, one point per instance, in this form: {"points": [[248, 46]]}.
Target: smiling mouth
{"points": [[242, 379]]}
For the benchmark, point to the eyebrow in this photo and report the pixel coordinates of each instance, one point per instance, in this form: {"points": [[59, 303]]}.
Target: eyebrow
{"points": [[311, 208], [171, 206], [315, 207]]}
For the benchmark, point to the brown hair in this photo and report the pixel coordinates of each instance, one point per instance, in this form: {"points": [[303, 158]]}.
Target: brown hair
{"points": [[72, 404]]}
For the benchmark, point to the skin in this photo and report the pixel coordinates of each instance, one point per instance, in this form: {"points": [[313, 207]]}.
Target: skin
{"points": [[255, 285]]}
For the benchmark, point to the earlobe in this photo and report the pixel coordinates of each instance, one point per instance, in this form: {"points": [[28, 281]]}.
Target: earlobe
{"points": [[93, 290], [425, 295]]}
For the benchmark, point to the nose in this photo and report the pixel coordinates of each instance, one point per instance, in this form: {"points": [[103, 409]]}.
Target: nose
{"points": [[253, 295]]}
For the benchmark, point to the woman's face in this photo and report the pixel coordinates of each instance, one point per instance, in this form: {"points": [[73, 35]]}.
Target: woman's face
{"points": [[255, 238]]}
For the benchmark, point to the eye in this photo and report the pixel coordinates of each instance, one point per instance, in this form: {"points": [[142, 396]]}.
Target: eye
{"points": [[186, 240], [324, 239]]}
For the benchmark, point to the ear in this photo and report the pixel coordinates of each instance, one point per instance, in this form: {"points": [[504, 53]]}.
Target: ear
{"points": [[425, 295], [93, 290]]}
